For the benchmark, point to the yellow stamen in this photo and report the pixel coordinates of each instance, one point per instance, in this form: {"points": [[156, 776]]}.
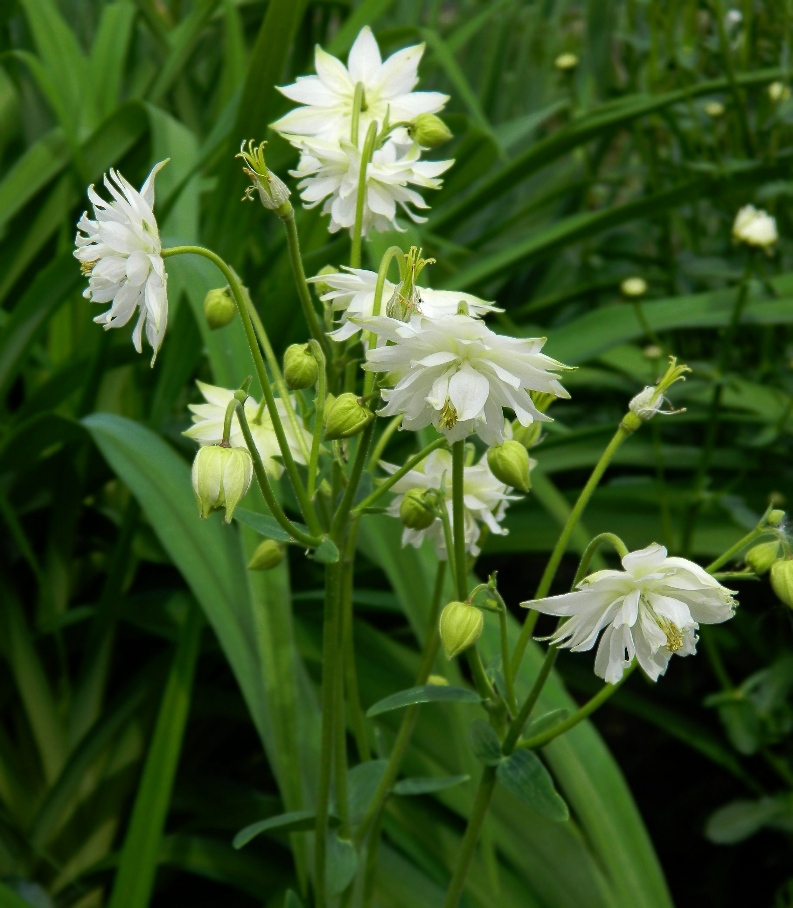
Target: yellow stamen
{"points": [[448, 415], [87, 267], [674, 636]]}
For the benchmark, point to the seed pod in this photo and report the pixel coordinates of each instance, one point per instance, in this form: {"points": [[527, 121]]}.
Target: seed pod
{"points": [[762, 557], [460, 627], [345, 417], [268, 555], [782, 581], [219, 308], [415, 512], [300, 367]]}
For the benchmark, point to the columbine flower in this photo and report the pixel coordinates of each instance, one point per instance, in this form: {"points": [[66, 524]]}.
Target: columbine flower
{"points": [[485, 500], [651, 610], [120, 252], [352, 294], [755, 227], [208, 427], [456, 374], [329, 172], [328, 96]]}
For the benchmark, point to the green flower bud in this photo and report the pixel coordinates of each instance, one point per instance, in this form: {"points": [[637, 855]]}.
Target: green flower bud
{"points": [[528, 436], [775, 517], [566, 62], [415, 511], [762, 557], [460, 627], [782, 581], [268, 555], [320, 287], [509, 463], [714, 109], [437, 681], [221, 476], [633, 287], [429, 131], [346, 417], [300, 367], [219, 308]]}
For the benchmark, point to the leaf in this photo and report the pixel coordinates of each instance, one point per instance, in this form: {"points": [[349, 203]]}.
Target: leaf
{"points": [[740, 819], [362, 783], [543, 723], [294, 821], [264, 525], [523, 775], [326, 552], [10, 899], [341, 867], [420, 785], [134, 881], [429, 693], [485, 743]]}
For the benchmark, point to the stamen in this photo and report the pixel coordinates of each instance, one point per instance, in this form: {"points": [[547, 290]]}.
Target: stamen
{"points": [[448, 415], [87, 267], [674, 636]]}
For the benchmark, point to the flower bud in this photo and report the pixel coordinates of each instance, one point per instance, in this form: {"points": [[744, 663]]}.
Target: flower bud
{"points": [[755, 227], [528, 436], [268, 555], [775, 517], [415, 511], [633, 287], [714, 109], [219, 308], [346, 417], [509, 463], [762, 557], [566, 62], [300, 367], [221, 476], [782, 581], [321, 287], [437, 681], [429, 131], [778, 91], [460, 627]]}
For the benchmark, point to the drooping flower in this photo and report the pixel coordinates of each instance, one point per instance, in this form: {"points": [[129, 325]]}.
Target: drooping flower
{"points": [[208, 421], [650, 610], [328, 97], [456, 374], [485, 498], [119, 250], [329, 173], [352, 294], [755, 227]]}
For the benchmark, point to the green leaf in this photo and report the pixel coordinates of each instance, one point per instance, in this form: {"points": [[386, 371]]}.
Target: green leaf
{"points": [[9, 898], [294, 821], [543, 723], [419, 785], [485, 743], [740, 819], [429, 693], [326, 552], [342, 865], [523, 775], [264, 525], [134, 882], [362, 783]]}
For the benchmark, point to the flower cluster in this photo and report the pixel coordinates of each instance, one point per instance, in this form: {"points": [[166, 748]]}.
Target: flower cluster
{"points": [[338, 105]]}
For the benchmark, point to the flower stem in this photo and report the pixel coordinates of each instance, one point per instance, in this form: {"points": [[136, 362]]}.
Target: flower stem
{"points": [[398, 474], [357, 232], [589, 553], [458, 519], [760, 530], [319, 412], [377, 305], [382, 442], [345, 506], [350, 673], [726, 56], [296, 260]]}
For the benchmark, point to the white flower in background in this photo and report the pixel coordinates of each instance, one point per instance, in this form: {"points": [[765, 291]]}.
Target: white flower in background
{"points": [[208, 427], [352, 294], [755, 227], [328, 96], [456, 374], [651, 610], [485, 498], [329, 173], [120, 253]]}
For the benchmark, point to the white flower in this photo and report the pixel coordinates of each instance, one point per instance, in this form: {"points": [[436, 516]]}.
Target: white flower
{"points": [[755, 227], [652, 609], [208, 427], [352, 294], [329, 172], [456, 374], [484, 496], [328, 96], [120, 250]]}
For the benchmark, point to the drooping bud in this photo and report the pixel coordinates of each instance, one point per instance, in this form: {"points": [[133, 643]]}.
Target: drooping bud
{"points": [[301, 369], [762, 557], [219, 308], [509, 463], [782, 581], [460, 627], [416, 511], [273, 192], [755, 227], [429, 131], [221, 476], [775, 517], [566, 62], [346, 417], [633, 287], [529, 435], [268, 555]]}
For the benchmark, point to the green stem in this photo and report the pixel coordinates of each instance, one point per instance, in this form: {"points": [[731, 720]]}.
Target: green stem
{"points": [[357, 104], [739, 545], [348, 644], [726, 56], [382, 442], [506, 666], [306, 507], [230, 408], [366, 157], [319, 413], [345, 506], [377, 305], [589, 553], [299, 273], [394, 478], [458, 519]]}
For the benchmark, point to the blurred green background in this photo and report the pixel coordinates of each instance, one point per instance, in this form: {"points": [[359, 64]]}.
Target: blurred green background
{"points": [[133, 745]]}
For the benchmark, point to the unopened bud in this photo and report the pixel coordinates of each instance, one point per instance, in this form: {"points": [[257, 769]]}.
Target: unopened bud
{"points": [[429, 131], [529, 435], [301, 369], [509, 463], [775, 517], [566, 62], [633, 287], [755, 227], [761, 557], [782, 581], [219, 308], [345, 417], [415, 511], [221, 476], [714, 109], [437, 681], [778, 91], [460, 627], [321, 287], [268, 555]]}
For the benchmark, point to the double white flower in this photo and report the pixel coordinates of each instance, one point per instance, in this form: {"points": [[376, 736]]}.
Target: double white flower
{"points": [[650, 610], [208, 419], [456, 374], [485, 499], [120, 252], [755, 227]]}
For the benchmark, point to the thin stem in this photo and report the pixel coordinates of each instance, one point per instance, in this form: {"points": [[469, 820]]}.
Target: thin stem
{"points": [[458, 518], [345, 506], [443, 516], [348, 644], [357, 104], [589, 553], [739, 545], [366, 157], [506, 666], [319, 413], [377, 305], [394, 478], [519, 722], [230, 408], [726, 56], [382, 442], [299, 273]]}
